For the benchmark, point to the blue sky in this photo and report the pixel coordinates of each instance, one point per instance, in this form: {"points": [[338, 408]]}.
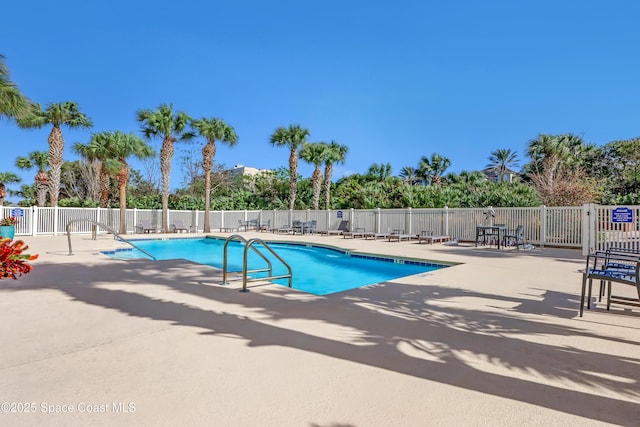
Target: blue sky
{"points": [[391, 80]]}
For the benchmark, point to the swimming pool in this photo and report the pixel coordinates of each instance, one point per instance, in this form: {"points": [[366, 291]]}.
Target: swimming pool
{"points": [[317, 269]]}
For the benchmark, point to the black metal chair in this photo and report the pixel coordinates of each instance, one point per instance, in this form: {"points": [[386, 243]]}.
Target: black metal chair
{"points": [[516, 238], [492, 236]]}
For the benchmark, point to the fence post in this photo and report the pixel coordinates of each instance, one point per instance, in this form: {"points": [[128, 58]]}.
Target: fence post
{"points": [[590, 229], [407, 220], [55, 220], [378, 219], [34, 220], [586, 229], [543, 225], [446, 221], [135, 218]]}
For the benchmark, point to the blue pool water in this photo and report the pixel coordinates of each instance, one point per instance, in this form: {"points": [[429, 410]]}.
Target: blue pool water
{"points": [[317, 270]]}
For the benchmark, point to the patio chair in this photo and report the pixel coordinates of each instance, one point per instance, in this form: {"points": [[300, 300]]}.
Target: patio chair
{"points": [[146, 227], [297, 226], [309, 227], [618, 268], [481, 234], [178, 226], [493, 236], [618, 250], [516, 238], [342, 227], [265, 226]]}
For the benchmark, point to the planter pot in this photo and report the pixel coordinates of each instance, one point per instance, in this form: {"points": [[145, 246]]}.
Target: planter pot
{"points": [[7, 231]]}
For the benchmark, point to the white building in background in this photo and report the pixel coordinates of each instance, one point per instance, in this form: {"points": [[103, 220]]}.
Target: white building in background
{"points": [[243, 170], [493, 175]]}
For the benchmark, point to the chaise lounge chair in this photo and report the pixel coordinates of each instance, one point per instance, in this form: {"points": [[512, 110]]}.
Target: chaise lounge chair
{"points": [[286, 229], [146, 227], [353, 234], [342, 227], [375, 236], [400, 235], [178, 226], [429, 237]]}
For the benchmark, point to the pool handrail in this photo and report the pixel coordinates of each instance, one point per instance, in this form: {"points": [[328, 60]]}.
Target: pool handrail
{"points": [[225, 258], [100, 224], [244, 267]]}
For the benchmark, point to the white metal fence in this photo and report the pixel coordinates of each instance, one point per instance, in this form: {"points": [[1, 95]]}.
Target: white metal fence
{"points": [[591, 227], [557, 226], [607, 226]]}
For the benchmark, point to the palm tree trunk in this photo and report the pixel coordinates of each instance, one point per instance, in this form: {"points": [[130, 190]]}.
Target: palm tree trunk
{"points": [[317, 184], [56, 151], [3, 192], [42, 185], [123, 178], [166, 154], [208, 152], [207, 201], [41, 194], [293, 178], [104, 186], [328, 171]]}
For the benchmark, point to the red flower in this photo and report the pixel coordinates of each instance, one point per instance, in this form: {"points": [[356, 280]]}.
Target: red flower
{"points": [[13, 263]]}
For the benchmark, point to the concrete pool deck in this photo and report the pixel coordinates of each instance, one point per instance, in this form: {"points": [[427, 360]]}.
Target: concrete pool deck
{"points": [[494, 340]]}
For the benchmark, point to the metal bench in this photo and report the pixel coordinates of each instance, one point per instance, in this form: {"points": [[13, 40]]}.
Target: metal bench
{"points": [[611, 268]]}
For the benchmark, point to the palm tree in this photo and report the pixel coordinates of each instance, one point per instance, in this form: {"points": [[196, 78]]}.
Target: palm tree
{"points": [[122, 146], [380, 171], [567, 150], [13, 104], [409, 174], [336, 153], [316, 154], [6, 178], [97, 152], [501, 160], [293, 138], [112, 149], [39, 160], [212, 130], [468, 178], [171, 128], [64, 113], [433, 168]]}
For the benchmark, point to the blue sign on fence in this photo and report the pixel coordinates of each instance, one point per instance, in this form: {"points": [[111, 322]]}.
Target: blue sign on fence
{"points": [[339, 213], [621, 215], [17, 212]]}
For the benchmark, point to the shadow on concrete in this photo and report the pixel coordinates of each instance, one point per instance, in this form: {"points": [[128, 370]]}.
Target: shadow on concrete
{"points": [[422, 331]]}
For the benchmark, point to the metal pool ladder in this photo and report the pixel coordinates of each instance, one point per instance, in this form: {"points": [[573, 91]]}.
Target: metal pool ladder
{"points": [[249, 244]]}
